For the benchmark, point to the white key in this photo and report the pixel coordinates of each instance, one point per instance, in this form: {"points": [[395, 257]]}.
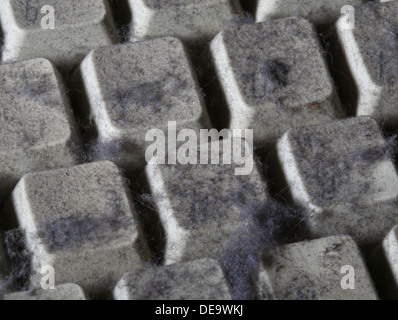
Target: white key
{"points": [[324, 269], [67, 291], [194, 280], [370, 51], [79, 26], [190, 20], [390, 249], [200, 205], [81, 222], [137, 87], [317, 11], [274, 77], [37, 130], [342, 172]]}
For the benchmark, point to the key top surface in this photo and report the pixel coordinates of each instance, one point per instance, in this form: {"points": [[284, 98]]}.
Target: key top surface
{"points": [[342, 172], [138, 87], [78, 220], [194, 280], [200, 206], [313, 271], [274, 77], [37, 129]]}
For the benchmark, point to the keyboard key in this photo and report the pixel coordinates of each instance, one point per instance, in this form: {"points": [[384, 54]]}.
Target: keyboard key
{"points": [[137, 87], [370, 52], [321, 12], [200, 206], [274, 77], [79, 26], [190, 20], [81, 222], [315, 270], [37, 129], [390, 248], [194, 280], [67, 291], [342, 172]]}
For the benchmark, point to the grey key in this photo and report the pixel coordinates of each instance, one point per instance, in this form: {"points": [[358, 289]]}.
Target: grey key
{"points": [[200, 205], [79, 26], [274, 77], [67, 291], [315, 270], [390, 249], [81, 222], [37, 129], [134, 88], [194, 280], [343, 174], [192, 21], [370, 51]]}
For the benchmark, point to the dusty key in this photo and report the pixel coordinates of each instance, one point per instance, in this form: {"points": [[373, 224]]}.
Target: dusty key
{"points": [[190, 20], [200, 205], [320, 12], [274, 77], [324, 269], [78, 27], [138, 87], [81, 222], [37, 130], [390, 249], [194, 280], [67, 291], [370, 51], [342, 172]]}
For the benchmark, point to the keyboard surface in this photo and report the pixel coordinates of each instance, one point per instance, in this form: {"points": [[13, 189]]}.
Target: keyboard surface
{"points": [[198, 149]]}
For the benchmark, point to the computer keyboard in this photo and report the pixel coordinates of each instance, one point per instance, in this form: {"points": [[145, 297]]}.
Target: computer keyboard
{"points": [[198, 149]]}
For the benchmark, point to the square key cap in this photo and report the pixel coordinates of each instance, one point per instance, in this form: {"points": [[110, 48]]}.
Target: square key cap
{"points": [[370, 50], [200, 206], [80, 221], [134, 88], [37, 129], [320, 12], [274, 77], [315, 270], [194, 280], [67, 291], [79, 26], [193, 21], [342, 172]]}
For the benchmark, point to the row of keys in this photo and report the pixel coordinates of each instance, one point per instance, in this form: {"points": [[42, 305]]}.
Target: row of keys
{"points": [[271, 86], [312, 270], [82, 215], [80, 26]]}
